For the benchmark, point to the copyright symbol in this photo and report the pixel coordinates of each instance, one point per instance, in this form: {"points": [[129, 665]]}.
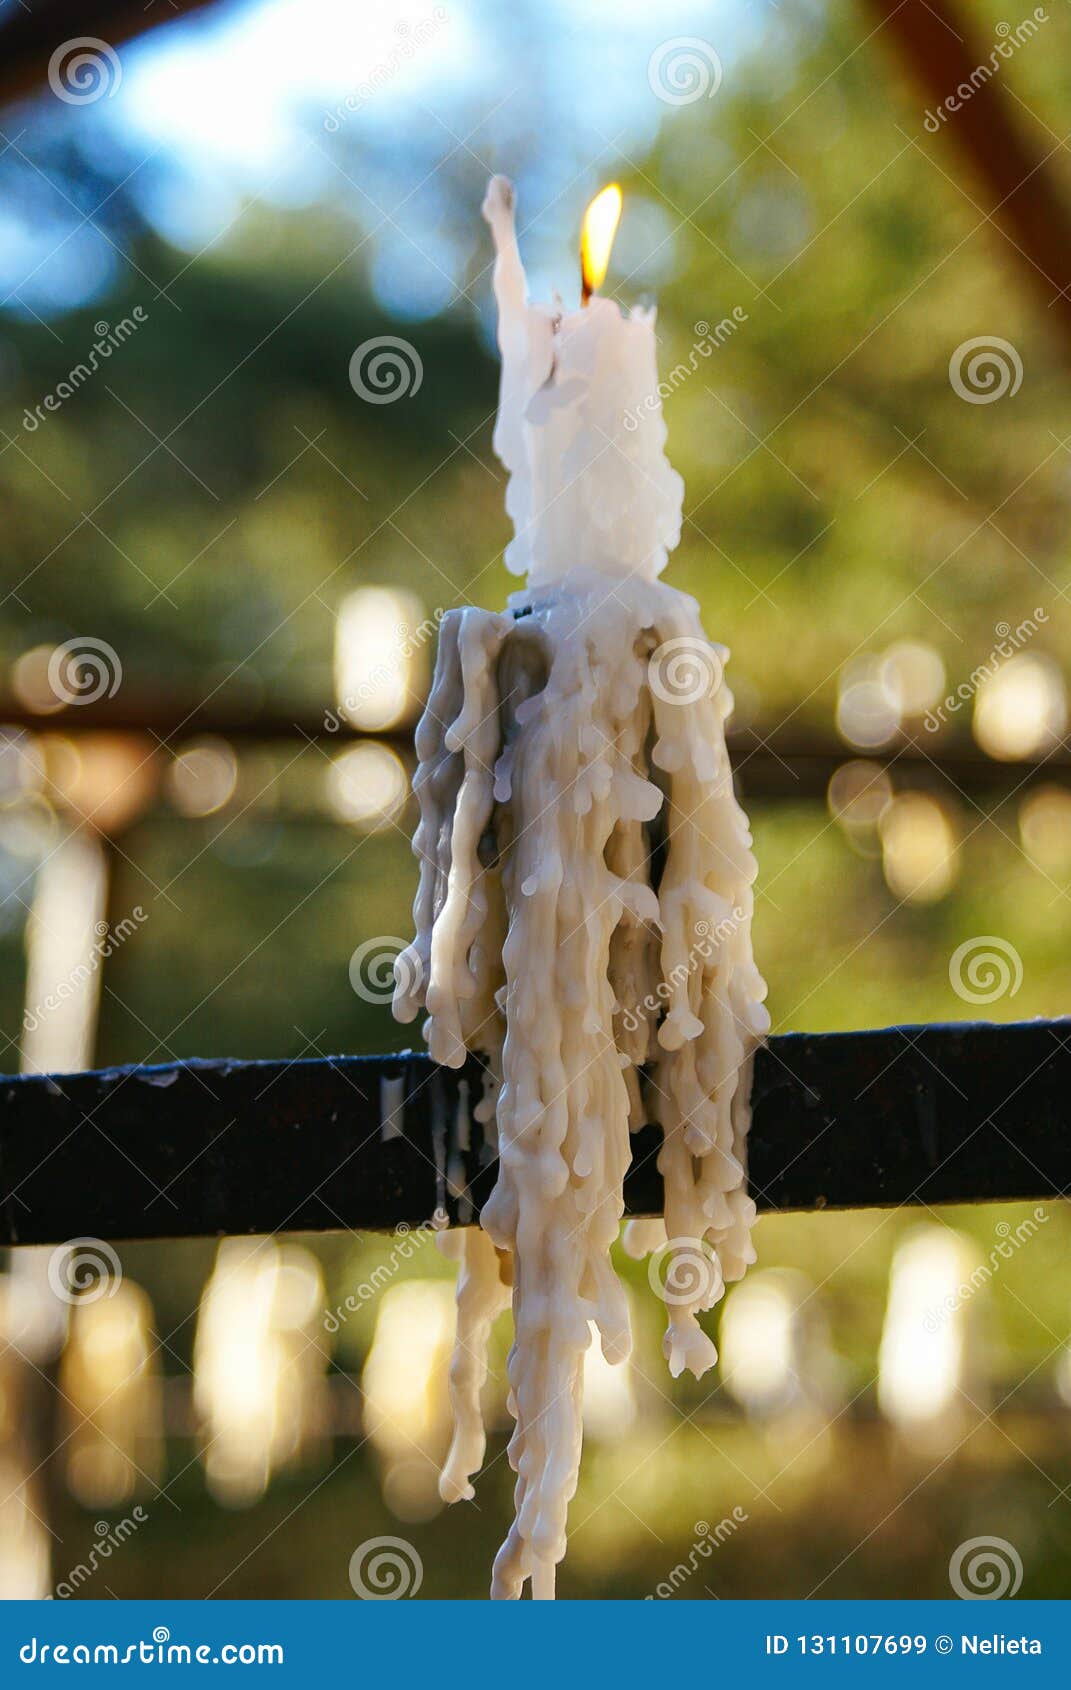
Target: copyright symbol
{"points": [[943, 1645]]}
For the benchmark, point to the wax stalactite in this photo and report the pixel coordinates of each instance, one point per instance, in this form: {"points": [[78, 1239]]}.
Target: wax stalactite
{"points": [[583, 915]]}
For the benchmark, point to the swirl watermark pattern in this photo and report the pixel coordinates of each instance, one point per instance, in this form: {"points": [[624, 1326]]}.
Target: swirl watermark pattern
{"points": [[84, 70], [985, 1569], [985, 968], [83, 670], [380, 964], [692, 1276], [386, 368], [84, 1270], [384, 1569], [985, 369], [684, 670], [684, 69]]}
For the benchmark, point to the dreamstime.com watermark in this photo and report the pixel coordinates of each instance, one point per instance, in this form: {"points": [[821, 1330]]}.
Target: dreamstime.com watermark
{"points": [[155, 1651], [1010, 39], [408, 1242], [109, 338], [708, 339], [707, 1539], [1009, 1240], [1009, 641], [407, 642], [985, 1569], [109, 1539], [106, 942], [411, 38], [708, 938]]}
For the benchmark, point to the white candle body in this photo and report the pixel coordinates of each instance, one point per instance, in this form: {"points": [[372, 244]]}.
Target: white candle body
{"points": [[580, 430]]}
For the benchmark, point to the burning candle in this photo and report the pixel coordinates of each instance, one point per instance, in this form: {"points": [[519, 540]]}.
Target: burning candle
{"points": [[583, 918]]}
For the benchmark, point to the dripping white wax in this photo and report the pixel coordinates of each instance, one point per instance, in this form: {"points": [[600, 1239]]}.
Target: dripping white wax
{"points": [[557, 739]]}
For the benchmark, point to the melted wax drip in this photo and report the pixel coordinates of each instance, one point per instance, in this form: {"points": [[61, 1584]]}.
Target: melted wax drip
{"points": [[583, 912]]}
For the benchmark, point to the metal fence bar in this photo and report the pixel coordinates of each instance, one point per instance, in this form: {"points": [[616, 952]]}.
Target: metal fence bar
{"points": [[964, 1113]]}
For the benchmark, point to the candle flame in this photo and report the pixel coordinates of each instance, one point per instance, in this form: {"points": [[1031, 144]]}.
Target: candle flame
{"points": [[597, 239]]}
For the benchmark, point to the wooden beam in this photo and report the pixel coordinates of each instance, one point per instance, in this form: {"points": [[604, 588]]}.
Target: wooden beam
{"points": [[774, 762], [963, 1113], [1014, 161]]}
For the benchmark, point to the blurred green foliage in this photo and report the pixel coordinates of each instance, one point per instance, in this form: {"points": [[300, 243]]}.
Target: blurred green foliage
{"points": [[205, 503]]}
